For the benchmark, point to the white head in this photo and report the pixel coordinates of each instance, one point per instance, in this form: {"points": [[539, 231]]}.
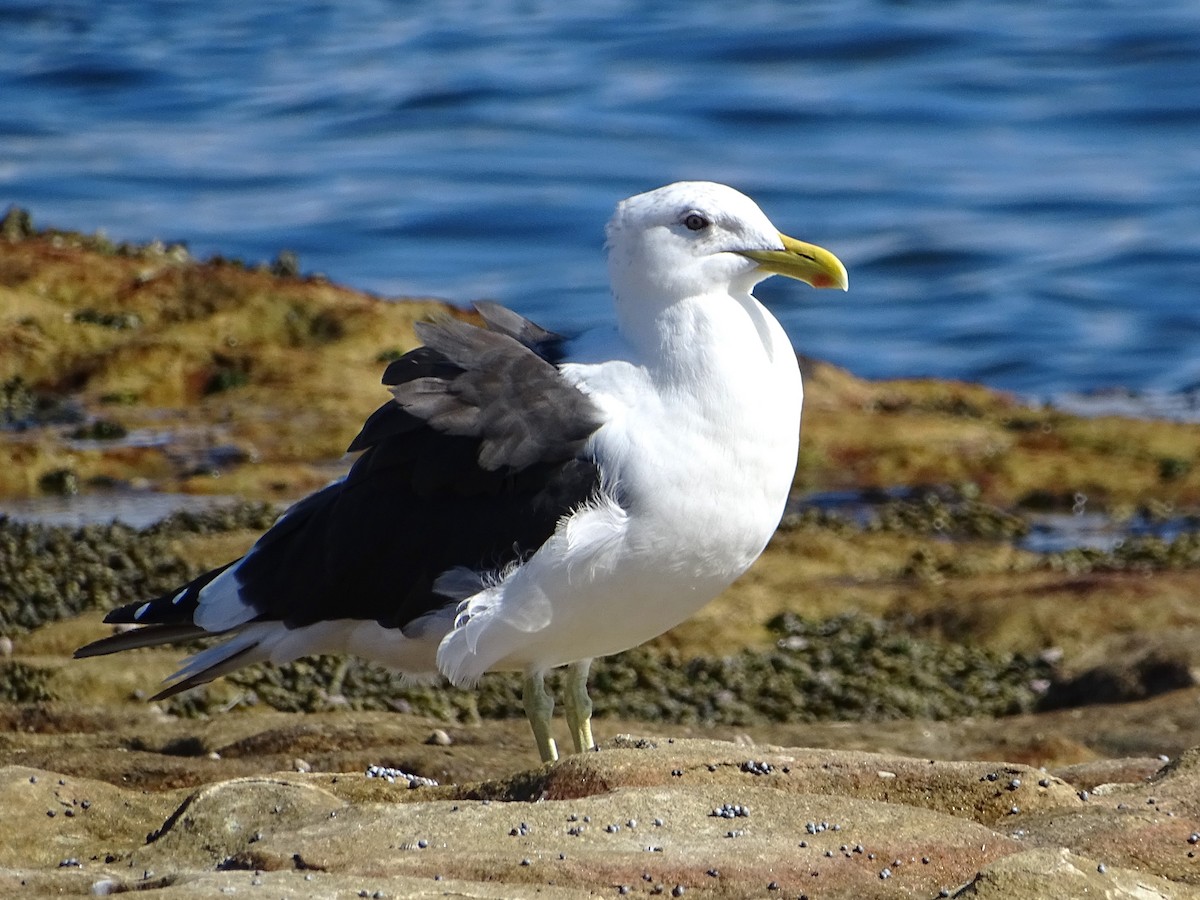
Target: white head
{"points": [[694, 238]]}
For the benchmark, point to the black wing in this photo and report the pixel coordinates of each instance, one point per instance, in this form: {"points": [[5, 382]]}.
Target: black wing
{"points": [[473, 464]]}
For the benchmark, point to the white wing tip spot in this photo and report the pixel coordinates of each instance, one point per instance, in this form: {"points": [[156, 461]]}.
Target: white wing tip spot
{"points": [[141, 610]]}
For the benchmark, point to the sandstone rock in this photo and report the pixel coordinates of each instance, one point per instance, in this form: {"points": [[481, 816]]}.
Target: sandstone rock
{"points": [[687, 817]]}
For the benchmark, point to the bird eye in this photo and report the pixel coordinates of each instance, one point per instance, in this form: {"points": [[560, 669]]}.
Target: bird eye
{"points": [[694, 221]]}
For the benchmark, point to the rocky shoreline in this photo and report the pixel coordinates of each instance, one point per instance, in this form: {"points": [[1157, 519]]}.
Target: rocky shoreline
{"points": [[901, 637]]}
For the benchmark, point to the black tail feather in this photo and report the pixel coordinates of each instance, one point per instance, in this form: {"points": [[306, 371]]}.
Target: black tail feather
{"points": [[165, 610], [150, 636]]}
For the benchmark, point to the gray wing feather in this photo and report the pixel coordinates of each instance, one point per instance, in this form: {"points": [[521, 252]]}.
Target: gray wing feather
{"points": [[508, 397], [504, 320]]}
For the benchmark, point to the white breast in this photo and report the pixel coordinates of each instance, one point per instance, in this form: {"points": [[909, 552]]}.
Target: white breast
{"points": [[698, 454]]}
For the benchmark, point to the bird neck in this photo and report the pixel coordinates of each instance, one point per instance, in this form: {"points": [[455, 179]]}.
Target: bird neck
{"points": [[693, 338]]}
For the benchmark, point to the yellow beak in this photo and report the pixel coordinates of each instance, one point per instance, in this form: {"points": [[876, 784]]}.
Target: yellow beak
{"points": [[805, 262]]}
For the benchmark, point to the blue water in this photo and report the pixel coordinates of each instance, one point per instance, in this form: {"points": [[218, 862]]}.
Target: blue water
{"points": [[1014, 186]]}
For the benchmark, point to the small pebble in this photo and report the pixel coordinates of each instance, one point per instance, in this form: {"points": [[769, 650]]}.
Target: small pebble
{"points": [[422, 843], [1014, 784], [755, 767], [678, 891], [1044, 782], [712, 873], [1194, 837], [1101, 868], [885, 873], [1084, 795], [731, 811], [392, 775], [658, 823], [526, 862]]}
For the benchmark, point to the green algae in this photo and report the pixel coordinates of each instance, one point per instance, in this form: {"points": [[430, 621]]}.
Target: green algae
{"points": [[847, 668], [949, 511], [1142, 554], [115, 320], [839, 667], [48, 573], [22, 406], [23, 683], [100, 430], [59, 482]]}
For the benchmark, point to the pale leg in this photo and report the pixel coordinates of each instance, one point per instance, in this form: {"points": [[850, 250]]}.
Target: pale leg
{"points": [[539, 706], [579, 705]]}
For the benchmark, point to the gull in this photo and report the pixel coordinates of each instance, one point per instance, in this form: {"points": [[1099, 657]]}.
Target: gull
{"points": [[526, 501]]}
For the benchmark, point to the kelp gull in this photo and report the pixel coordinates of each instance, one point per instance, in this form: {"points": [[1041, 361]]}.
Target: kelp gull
{"points": [[526, 501]]}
